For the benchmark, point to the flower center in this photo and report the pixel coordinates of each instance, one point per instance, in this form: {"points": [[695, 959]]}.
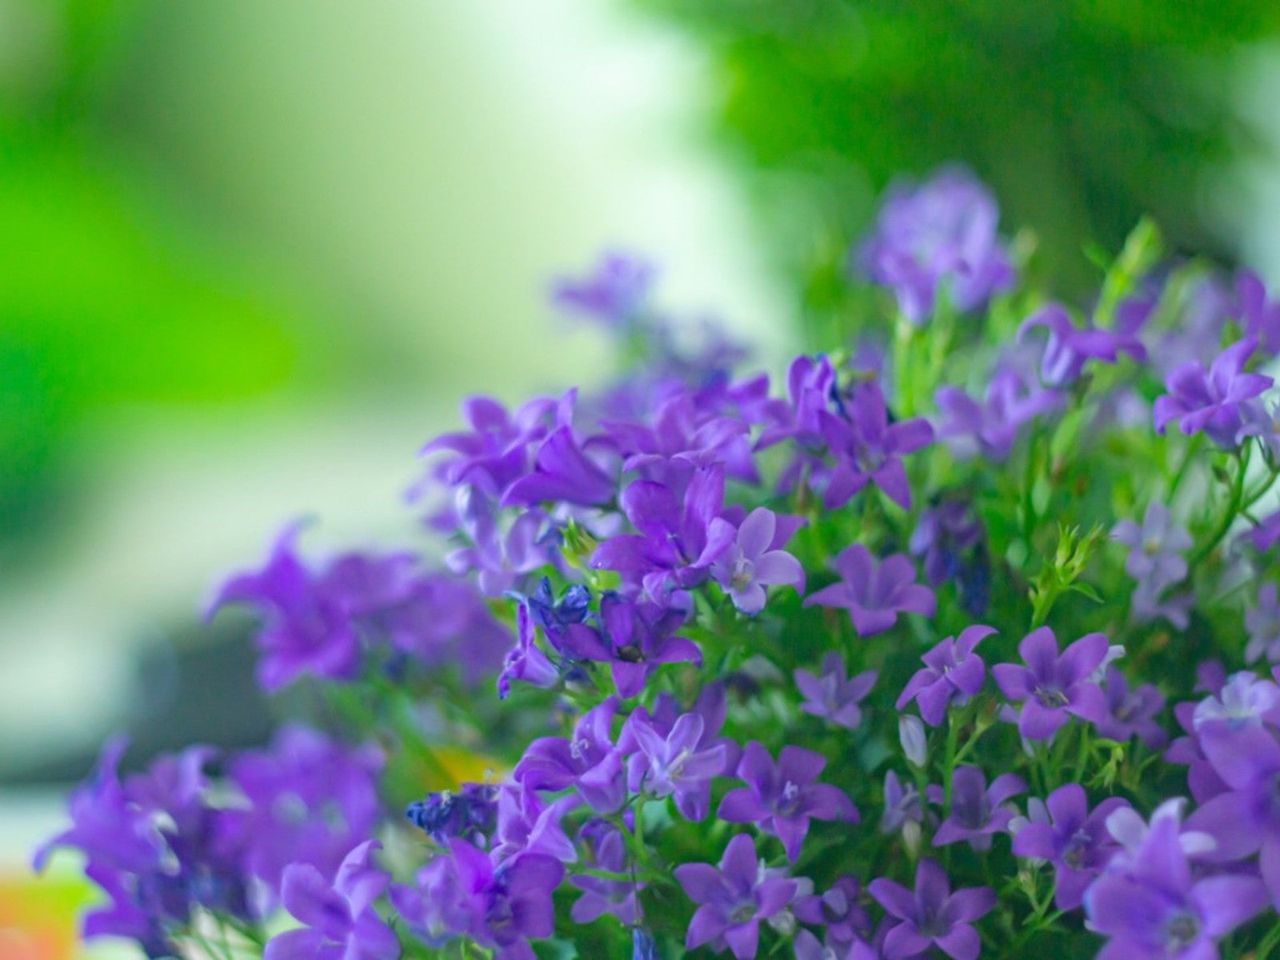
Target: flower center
{"points": [[578, 748], [1051, 697], [743, 912], [1181, 931], [742, 575], [1077, 848], [790, 798], [630, 654]]}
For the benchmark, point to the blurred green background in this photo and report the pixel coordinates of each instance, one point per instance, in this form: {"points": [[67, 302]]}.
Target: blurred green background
{"points": [[253, 253]]}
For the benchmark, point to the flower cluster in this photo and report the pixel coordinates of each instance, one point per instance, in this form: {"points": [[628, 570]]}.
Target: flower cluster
{"points": [[843, 669]]}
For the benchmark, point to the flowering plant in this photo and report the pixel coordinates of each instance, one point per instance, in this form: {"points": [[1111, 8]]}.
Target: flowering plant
{"points": [[954, 646]]}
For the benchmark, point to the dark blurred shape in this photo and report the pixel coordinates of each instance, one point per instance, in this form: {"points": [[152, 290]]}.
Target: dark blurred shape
{"points": [[1081, 116], [197, 686]]}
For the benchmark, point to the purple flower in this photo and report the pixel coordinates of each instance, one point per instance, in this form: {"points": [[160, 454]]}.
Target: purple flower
{"points": [[950, 537], [782, 798], [733, 899], [754, 561], [1151, 906], [978, 811], [834, 695], [868, 448], [902, 805], [838, 910], [307, 629], [494, 452], [561, 472], [471, 812], [1053, 685], [310, 800], [527, 825], [1131, 713], [1264, 535], [613, 294], [526, 661], [587, 762], [1069, 346], [1244, 700], [1246, 817], [508, 905], [634, 639], [555, 615], [678, 538], [874, 593], [1072, 838], [501, 559], [931, 915], [1261, 317], [1210, 400], [1155, 548], [677, 763], [940, 232], [1263, 623], [338, 916], [601, 895], [952, 671], [990, 428]]}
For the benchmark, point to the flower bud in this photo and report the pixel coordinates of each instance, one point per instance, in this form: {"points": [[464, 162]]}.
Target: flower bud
{"points": [[911, 735]]}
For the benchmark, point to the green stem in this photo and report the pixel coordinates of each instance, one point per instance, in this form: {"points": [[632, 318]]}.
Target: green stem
{"points": [[1234, 506]]}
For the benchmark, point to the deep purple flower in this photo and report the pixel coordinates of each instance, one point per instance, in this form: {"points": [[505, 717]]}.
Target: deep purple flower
{"points": [[1069, 346], [833, 695], [555, 615], [1203, 782], [152, 845], [952, 671], [470, 812], [990, 428], [602, 895], [310, 800], [110, 829], [494, 452], [937, 234], [1262, 620], [1053, 685], [507, 905], [811, 385], [874, 593], [1151, 906], [527, 825], [1131, 713], [677, 763], [613, 294], [782, 798], [634, 639], [752, 562], [931, 915], [1210, 400], [733, 899], [307, 625], [1072, 838], [978, 812], [809, 947], [678, 538], [526, 661], [1155, 548], [868, 448], [562, 472], [587, 761], [338, 916]]}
